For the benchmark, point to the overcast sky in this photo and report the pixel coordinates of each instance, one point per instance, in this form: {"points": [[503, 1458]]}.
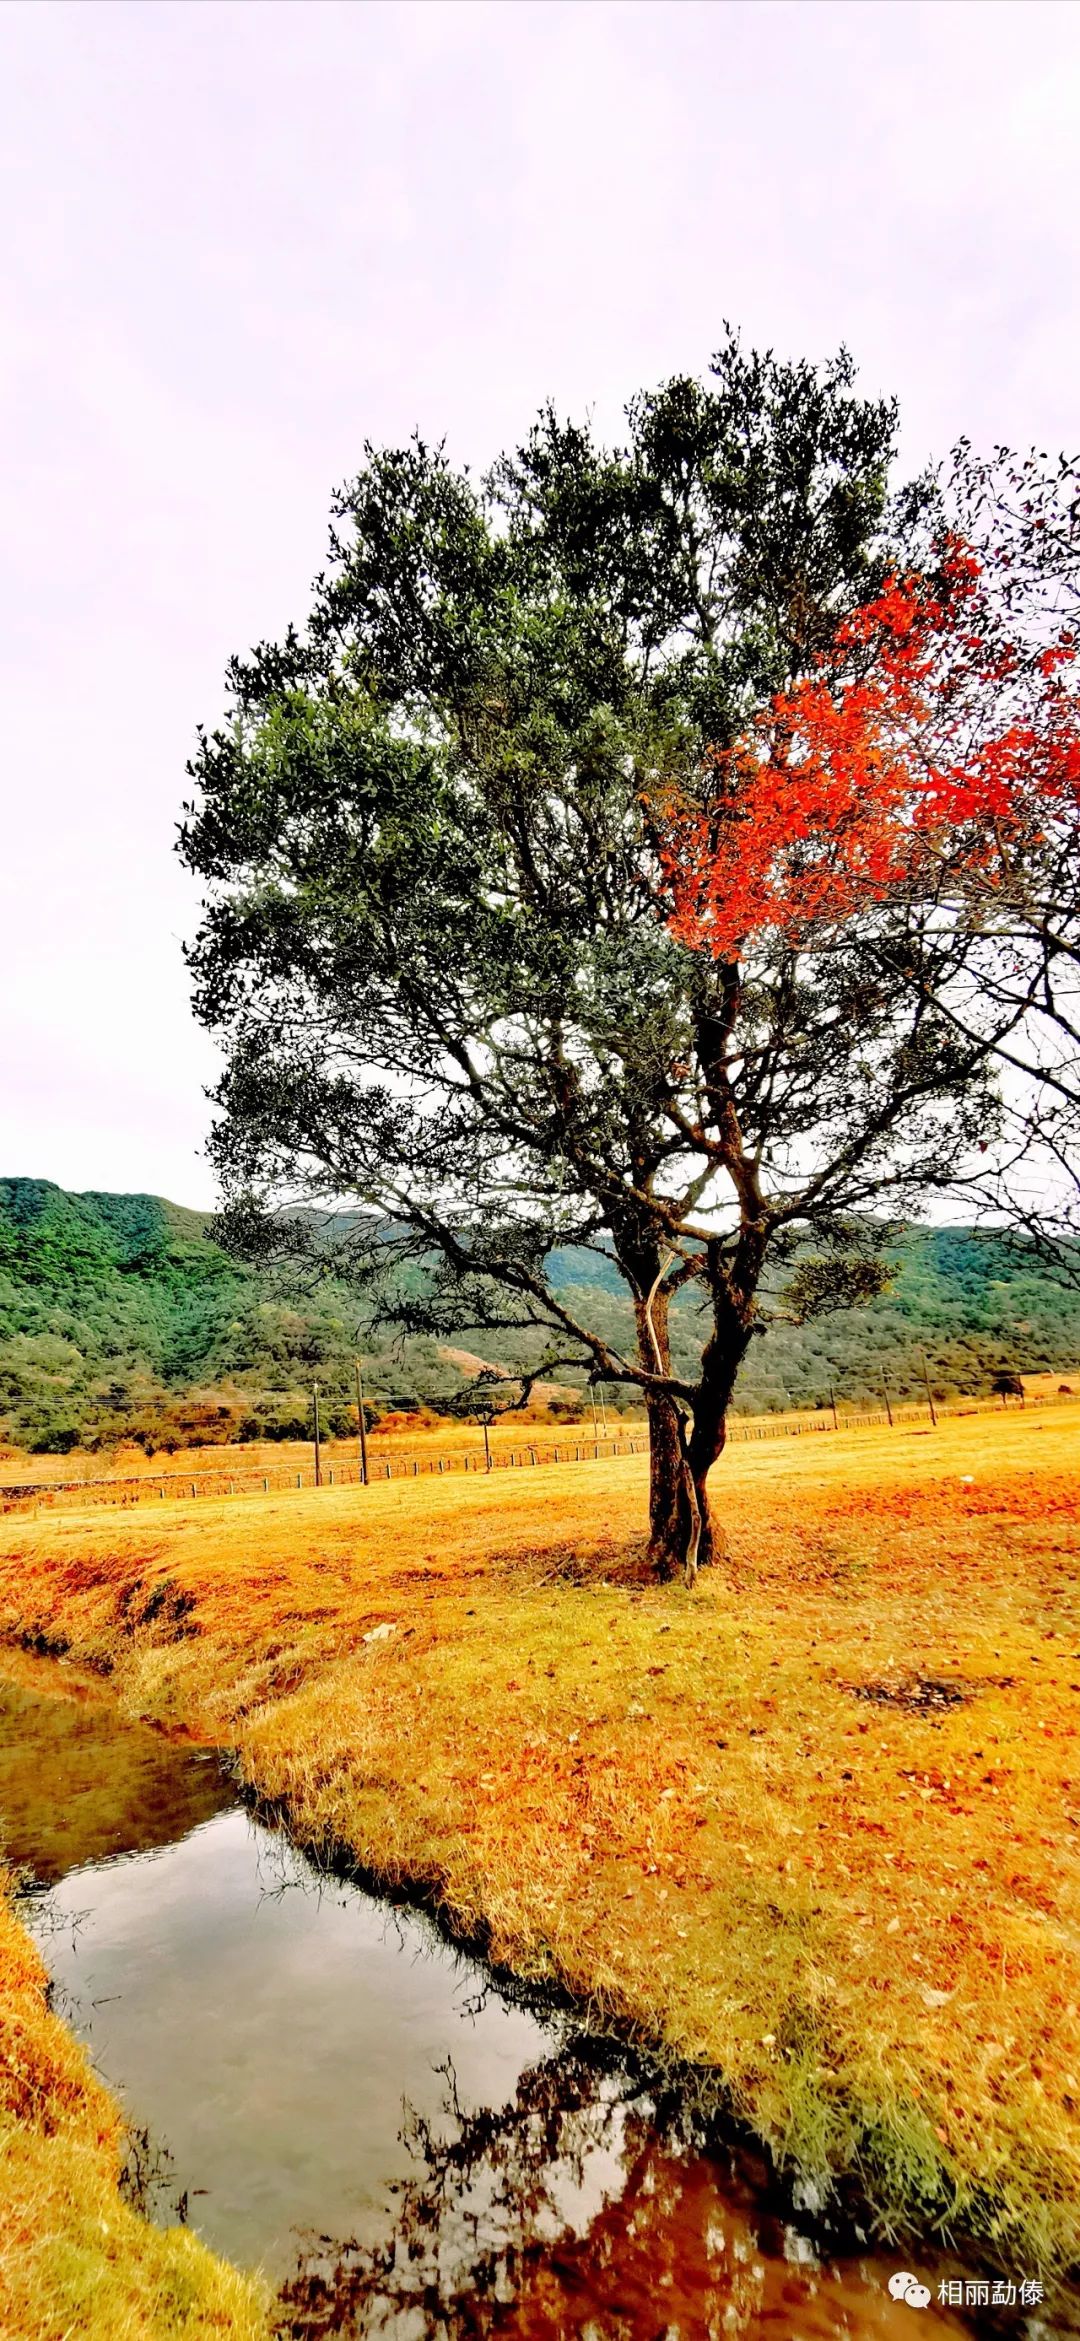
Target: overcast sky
{"points": [[240, 239]]}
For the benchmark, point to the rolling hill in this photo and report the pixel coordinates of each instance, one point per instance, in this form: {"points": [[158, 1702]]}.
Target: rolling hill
{"points": [[121, 1317]]}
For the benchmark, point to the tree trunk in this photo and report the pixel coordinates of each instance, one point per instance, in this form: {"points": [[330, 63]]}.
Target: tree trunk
{"points": [[681, 1535], [685, 1441]]}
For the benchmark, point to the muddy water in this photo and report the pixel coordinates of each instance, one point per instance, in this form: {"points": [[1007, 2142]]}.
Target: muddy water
{"points": [[348, 2102]]}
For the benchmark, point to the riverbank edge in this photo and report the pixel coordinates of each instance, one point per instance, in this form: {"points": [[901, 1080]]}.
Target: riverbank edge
{"points": [[836, 2215]]}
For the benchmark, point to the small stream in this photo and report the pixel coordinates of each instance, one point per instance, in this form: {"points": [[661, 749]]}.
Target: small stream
{"points": [[323, 2087]]}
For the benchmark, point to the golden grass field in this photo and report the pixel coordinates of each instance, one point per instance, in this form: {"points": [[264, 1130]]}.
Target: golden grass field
{"points": [[812, 1826]]}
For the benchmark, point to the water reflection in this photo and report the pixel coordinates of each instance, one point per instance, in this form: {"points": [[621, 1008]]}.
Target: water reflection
{"points": [[588, 2206], [267, 2025], [79, 1785]]}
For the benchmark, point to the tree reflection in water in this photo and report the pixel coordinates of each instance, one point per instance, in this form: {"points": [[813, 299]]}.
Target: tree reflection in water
{"points": [[589, 2207]]}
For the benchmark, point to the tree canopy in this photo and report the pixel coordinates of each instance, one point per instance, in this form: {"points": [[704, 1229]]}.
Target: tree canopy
{"points": [[444, 939]]}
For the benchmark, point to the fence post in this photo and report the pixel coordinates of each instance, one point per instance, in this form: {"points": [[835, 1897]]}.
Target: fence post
{"points": [[360, 1424]]}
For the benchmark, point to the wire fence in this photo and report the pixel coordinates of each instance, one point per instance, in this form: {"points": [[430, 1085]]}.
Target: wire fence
{"points": [[180, 1483]]}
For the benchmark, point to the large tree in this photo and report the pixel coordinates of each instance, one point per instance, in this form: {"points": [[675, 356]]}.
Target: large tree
{"points": [[441, 941]]}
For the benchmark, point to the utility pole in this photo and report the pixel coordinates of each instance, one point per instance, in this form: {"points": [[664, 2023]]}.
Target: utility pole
{"points": [[318, 1456], [592, 1399], [487, 1446], [603, 1410], [362, 1424], [929, 1392], [832, 1402], [885, 1394]]}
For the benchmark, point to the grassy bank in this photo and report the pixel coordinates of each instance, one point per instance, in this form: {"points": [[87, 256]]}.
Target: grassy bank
{"points": [[75, 2259], [812, 1826]]}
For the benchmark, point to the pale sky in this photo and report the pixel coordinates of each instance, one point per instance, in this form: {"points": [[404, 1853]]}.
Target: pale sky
{"points": [[240, 239]]}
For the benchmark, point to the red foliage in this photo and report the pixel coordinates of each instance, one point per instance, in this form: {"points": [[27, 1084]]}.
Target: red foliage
{"points": [[937, 746]]}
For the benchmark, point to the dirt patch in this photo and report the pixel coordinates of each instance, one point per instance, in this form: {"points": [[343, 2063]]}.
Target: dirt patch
{"points": [[919, 1694], [609, 1563]]}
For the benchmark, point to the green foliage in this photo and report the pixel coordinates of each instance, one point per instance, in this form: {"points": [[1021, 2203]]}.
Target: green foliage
{"points": [[120, 1316], [819, 1286], [975, 1304]]}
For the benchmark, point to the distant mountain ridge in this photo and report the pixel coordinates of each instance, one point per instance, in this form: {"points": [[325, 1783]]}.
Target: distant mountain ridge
{"points": [[120, 1316]]}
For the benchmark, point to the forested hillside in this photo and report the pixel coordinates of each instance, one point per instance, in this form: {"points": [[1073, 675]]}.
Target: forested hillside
{"points": [[120, 1317]]}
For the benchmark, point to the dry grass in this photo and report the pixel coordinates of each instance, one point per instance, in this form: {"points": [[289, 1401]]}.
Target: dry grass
{"points": [[812, 1826], [75, 2260]]}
